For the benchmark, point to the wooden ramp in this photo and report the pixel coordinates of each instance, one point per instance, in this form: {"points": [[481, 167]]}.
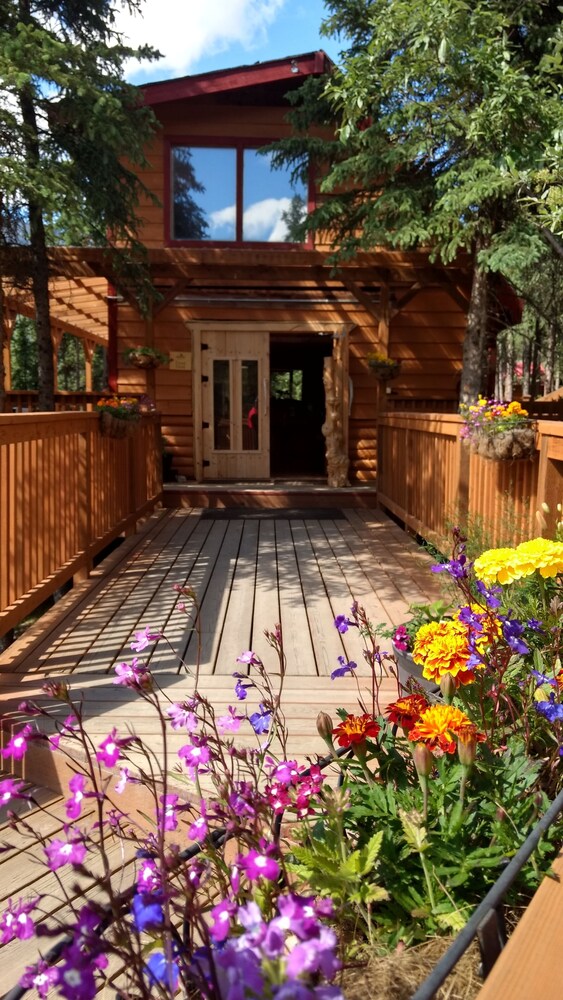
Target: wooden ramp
{"points": [[249, 574]]}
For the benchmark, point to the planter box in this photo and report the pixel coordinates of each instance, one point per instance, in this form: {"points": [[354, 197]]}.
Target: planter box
{"points": [[520, 442], [408, 668]]}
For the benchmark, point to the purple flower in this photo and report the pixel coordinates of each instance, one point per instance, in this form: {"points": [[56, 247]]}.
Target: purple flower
{"points": [[183, 716], [401, 638], [76, 977], [15, 921], [133, 675], [162, 971], [287, 772], [144, 639], [317, 954], [259, 865], [195, 754], [543, 678], [250, 658], [457, 568], [76, 785], [17, 746], [147, 912], [344, 668], [167, 815], [10, 789], [551, 709], [109, 750], [230, 722], [39, 977], [198, 829], [260, 721], [512, 632], [343, 623], [489, 594], [221, 916], [65, 852], [534, 624], [148, 878], [241, 688]]}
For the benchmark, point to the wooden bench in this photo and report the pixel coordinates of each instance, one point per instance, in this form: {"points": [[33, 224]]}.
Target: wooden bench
{"points": [[530, 964]]}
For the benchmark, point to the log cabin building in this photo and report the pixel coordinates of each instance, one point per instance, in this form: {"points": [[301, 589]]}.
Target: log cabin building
{"points": [[268, 344]]}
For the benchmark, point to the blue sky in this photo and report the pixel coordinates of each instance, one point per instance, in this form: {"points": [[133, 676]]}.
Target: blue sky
{"points": [[196, 36]]}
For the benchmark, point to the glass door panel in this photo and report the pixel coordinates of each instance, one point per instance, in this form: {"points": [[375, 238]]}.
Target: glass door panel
{"points": [[222, 434]]}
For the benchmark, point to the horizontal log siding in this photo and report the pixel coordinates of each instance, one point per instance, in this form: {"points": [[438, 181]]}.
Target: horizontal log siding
{"points": [[427, 337], [428, 478], [65, 493]]}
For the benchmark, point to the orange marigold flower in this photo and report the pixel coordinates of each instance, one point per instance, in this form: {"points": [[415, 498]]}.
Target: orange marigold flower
{"points": [[440, 724], [406, 711], [442, 647], [355, 729]]}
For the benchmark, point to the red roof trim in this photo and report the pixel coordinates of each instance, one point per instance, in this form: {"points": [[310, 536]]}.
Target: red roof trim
{"points": [[234, 79]]}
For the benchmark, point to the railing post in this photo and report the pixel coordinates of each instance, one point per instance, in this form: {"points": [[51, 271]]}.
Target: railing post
{"points": [[85, 506], [463, 480]]}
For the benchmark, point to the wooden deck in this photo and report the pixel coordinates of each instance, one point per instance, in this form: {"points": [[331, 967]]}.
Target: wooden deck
{"points": [[249, 573]]}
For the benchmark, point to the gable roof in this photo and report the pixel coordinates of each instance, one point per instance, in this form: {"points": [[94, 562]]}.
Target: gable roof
{"points": [[224, 80]]}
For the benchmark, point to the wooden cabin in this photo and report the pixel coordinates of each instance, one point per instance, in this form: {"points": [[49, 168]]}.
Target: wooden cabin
{"points": [[251, 320], [261, 331]]}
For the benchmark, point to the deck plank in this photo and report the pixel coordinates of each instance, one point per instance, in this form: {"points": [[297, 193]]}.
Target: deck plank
{"points": [[298, 646], [237, 627], [266, 614]]}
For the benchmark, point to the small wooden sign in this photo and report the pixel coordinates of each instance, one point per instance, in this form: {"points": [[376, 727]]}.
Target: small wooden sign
{"points": [[181, 360]]}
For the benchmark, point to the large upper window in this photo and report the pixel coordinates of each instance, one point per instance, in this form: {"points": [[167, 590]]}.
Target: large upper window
{"points": [[231, 194]]}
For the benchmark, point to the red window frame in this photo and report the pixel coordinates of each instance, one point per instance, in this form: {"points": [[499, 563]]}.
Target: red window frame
{"points": [[239, 145]]}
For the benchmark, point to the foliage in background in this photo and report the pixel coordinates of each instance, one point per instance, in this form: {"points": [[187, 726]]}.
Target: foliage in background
{"points": [[72, 132], [440, 107]]}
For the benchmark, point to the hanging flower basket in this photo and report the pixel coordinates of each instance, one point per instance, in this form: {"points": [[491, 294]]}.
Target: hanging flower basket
{"points": [[119, 415], [145, 357], [506, 445], [384, 368]]}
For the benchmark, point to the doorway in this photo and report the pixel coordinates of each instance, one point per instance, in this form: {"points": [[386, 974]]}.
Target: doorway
{"points": [[297, 404]]}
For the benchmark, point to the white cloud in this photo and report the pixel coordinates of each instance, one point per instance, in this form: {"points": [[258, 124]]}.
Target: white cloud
{"points": [[223, 218], [186, 30], [263, 220]]}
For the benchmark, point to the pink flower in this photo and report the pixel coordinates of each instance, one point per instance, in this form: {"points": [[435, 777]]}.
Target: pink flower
{"points": [[73, 806], [109, 750], [15, 922], [260, 865], [133, 675], [10, 789], [230, 722], [250, 658], [149, 878], [40, 977], [144, 639], [196, 754], [17, 746], [123, 779], [183, 716], [221, 915], [61, 852], [199, 828], [168, 814]]}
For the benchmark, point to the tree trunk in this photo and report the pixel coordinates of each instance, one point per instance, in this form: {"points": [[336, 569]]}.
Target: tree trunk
{"points": [[526, 366], [40, 268], [474, 371]]}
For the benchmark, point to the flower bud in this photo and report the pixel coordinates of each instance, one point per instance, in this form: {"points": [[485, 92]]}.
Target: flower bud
{"points": [[325, 726], [466, 748], [501, 814], [423, 760], [448, 688]]}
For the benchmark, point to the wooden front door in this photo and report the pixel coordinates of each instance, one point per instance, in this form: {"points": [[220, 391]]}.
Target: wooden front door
{"points": [[235, 393]]}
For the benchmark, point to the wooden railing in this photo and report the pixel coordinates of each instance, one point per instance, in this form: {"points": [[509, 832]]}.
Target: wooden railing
{"points": [[25, 400], [65, 493], [428, 478]]}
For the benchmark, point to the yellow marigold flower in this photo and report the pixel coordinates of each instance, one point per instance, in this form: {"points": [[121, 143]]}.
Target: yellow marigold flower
{"points": [[440, 724], [442, 648], [540, 554], [499, 565], [515, 409]]}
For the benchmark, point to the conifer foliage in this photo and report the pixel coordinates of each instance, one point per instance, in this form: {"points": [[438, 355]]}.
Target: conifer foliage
{"points": [[72, 131]]}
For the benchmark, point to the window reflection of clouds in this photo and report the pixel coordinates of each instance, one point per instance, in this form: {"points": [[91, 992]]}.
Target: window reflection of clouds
{"points": [[269, 201]]}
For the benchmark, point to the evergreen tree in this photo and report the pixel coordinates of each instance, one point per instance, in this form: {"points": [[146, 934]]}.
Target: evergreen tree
{"points": [[71, 366], [189, 219], [23, 355], [441, 109], [67, 121]]}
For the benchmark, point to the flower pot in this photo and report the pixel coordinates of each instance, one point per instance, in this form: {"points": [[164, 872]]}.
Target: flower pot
{"points": [[508, 445], [384, 371], [408, 668], [116, 427], [139, 360]]}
